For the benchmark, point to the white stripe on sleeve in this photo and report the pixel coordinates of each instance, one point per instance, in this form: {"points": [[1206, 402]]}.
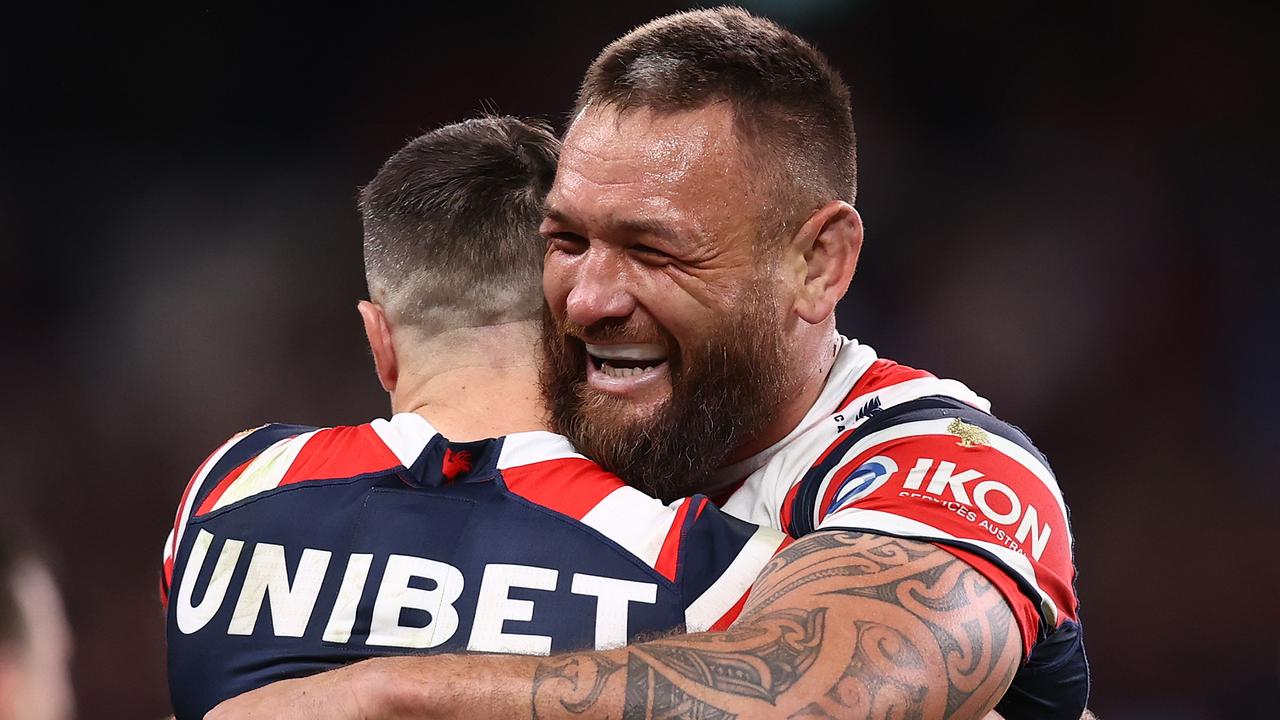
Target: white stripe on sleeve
{"points": [[734, 582], [634, 520], [265, 471]]}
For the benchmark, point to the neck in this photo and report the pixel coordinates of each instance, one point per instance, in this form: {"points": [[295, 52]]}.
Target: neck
{"points": [[811, 355], [474, 383]]}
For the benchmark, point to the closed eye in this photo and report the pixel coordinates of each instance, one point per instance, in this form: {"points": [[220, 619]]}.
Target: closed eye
{"points": [[650, 255], [568, 242]]}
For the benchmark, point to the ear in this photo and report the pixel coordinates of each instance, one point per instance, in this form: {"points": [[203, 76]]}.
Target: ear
{"points": [[378, 331], [826, 251]]}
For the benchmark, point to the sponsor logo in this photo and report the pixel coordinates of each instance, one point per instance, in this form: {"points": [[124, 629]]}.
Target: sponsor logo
{"points": [[998, 503], [869, 476], [428, 588]]}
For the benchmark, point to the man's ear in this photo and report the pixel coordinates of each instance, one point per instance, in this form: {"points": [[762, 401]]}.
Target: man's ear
{"points": [[826, 251], [378, 331]]}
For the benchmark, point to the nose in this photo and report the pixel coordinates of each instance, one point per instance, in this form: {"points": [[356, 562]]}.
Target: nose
{"points": [[601, 288]]}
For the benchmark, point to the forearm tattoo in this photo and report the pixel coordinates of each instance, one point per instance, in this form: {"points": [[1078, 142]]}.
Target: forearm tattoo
{"points": [[841, 624]]}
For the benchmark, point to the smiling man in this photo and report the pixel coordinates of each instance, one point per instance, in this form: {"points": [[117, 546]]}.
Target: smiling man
{"points": [[700, 232]]}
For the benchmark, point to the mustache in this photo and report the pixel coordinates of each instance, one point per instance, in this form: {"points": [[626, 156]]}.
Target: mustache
{"points": [[607, 330]]}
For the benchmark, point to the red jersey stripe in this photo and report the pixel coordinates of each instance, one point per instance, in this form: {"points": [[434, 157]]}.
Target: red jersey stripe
{"points": [[572, 486], [727, 619], [1024, 610], [669, 556], [341, 452], [788, 508], [881, 375]]}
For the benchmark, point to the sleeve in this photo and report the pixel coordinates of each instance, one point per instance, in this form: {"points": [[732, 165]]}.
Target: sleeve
{"points": [[940, 471], [719, 557], [208, 479]]}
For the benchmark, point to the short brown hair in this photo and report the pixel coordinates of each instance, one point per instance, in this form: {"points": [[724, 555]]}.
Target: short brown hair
{"points": [[790, 106], [451, 225]]}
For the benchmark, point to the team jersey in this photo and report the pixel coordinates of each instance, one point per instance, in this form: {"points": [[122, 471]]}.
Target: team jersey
{"points": [[296, 550], [891, 450]]}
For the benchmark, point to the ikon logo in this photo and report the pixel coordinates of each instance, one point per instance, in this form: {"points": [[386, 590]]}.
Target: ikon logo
{"points": [[994, 499]]}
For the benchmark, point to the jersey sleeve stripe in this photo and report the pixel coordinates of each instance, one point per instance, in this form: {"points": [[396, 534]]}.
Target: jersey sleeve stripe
{"points": [[193, 491], [263, 473], [341, 452], [530, 447], [905, 392], [730, 589], [731, 615], [1012, 561], [406, 435], [881, 374], [817, 485], [669, 556], [571, 486], [634, 520]]}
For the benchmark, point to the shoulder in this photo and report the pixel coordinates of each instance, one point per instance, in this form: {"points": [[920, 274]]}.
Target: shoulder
{"points": [[274, 455], [713, 556]]}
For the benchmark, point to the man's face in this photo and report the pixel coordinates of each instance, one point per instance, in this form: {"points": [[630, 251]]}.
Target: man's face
{"points": [[664, 340]]}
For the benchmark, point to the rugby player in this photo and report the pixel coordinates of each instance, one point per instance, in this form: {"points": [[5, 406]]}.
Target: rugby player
{"points": [[700, 232], [457, 524]]}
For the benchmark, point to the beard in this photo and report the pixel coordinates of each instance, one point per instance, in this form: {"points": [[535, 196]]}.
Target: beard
{"points": [[724, 391]]}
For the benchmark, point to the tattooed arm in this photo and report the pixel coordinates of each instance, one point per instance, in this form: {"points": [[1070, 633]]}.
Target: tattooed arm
{"points": [[839, 625]]}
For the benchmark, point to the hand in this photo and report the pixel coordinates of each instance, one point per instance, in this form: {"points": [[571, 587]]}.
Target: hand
{"points": [[333, 695]]}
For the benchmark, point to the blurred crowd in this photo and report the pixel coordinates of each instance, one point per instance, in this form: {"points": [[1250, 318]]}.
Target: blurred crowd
{"points": [[1067, 206]]}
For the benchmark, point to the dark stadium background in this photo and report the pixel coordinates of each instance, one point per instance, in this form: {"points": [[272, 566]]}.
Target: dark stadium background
{"points": [[1067, 207]]}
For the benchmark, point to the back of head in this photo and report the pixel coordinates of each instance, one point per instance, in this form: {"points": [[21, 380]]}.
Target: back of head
{"points": [[451, 225], [791, 109]]}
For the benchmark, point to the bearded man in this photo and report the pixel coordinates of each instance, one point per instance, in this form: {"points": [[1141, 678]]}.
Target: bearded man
{"points": [[700, 232]]}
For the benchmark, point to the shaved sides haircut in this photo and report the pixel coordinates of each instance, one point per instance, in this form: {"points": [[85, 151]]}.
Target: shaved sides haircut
{"points": [[451, 225], [791, 109]]}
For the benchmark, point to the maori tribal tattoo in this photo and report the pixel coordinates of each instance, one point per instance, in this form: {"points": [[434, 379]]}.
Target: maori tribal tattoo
{"points": [[840, 624]]}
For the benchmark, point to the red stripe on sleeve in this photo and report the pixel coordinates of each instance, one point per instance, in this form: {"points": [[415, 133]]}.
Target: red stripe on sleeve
{"points": [[788, 507], [732, 614], [727, 619], [669, 556], [880, 375], [1024, 611], [341, 452], [572, 486], [166, 580]]}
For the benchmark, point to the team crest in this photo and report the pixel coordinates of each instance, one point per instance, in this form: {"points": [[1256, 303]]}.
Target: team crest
{"points": [[970, 435]]}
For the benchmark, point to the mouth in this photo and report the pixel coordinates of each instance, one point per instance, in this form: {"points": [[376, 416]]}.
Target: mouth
{"points": [[625, 367]]}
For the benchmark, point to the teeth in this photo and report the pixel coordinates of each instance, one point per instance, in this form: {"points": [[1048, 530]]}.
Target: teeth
{"points": [[618, 372], [636, 352]]}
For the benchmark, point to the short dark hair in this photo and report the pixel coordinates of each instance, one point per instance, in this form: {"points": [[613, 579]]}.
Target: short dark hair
{"points": [[790, 106], [451, 225]]}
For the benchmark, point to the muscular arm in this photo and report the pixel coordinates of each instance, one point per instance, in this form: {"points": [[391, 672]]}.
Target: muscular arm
{"points": [[839, 625]]}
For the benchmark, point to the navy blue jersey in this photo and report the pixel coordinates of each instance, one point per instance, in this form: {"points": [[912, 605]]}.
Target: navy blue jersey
{"points": [[297, 550]]}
